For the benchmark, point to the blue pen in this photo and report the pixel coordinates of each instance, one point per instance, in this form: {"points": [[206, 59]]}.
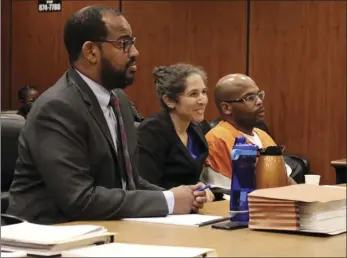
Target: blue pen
{"points": [[208, 186]]}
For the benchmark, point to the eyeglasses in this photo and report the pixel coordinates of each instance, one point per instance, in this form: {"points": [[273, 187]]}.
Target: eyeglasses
{"points": [[124, 44], [249, 100]]}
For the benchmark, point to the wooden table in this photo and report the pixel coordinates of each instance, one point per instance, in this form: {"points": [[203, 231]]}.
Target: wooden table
{"points": [[241, 242], [340, 170]]}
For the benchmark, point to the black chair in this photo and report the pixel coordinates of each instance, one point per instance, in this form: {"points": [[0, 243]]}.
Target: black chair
{"points": [[7, 219], [11, 125], [299, 164], [304, 167]]}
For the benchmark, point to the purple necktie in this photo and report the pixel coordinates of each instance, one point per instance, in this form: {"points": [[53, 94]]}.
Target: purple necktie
{"points": [[122, 146]]}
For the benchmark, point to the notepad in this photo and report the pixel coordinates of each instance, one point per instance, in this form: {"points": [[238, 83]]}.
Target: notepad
{"points": [[14, 254], [46, 235], [226, 197], [192, 220], [45, 240], [134, 250]]}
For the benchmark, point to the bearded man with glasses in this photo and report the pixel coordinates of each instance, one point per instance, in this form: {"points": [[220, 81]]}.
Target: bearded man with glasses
{"points": [[240, 103], [77, 157]]}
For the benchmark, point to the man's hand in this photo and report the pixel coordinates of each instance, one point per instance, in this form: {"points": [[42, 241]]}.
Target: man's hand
{"points": [[199, 197], [184, 199], [209, 195]]}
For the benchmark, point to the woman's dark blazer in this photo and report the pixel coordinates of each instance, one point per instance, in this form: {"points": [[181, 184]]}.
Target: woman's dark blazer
{"points": [[163, 158]]}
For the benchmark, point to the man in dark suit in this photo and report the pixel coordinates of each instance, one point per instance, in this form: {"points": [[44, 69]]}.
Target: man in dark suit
{"points": [[78, 149]]}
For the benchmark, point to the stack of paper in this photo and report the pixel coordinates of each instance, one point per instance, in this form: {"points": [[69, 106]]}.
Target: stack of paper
{"points": [[133, 250], [303, 207], [192, 220], [15, 254], [44, 240]]}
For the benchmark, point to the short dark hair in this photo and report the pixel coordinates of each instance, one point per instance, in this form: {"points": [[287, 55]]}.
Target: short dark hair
{"points": [[84, 25], [23, 92], [170, 80]]}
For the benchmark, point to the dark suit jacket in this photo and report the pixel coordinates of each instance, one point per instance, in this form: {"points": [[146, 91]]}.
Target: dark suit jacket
{"points": [[67, 167], [164, 160]]}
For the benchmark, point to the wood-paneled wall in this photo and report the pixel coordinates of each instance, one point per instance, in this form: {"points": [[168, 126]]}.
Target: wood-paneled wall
{"points": [[38, 54], [211, 34], [5, 53], [297, 53]]}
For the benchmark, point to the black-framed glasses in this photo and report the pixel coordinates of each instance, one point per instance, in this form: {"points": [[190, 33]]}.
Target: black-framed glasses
{"points": [[248, 100], [125, 43]]}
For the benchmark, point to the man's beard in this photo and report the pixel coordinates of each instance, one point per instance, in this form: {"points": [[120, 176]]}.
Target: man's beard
{"points": [[112, 78], [246, 121]]}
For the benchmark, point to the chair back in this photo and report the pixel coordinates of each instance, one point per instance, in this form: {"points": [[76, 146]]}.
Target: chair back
{"points": [[11, 124], [9, 112]]}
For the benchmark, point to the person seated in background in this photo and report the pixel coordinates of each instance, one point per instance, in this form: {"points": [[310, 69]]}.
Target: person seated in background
{"points": [[240, 103], [26, 97], [172, 147]]}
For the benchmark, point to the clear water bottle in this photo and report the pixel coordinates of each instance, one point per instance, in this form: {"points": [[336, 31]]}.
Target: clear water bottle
{"points": [[244, 157]]}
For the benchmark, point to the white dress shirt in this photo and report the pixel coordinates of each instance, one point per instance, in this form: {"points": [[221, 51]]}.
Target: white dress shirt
{"points": [[103, 96]]}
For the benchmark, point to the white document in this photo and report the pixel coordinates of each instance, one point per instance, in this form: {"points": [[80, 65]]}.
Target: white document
{"points": [[14, 254], [47, 235], [193, 220], [334, 186], [134, 250]]}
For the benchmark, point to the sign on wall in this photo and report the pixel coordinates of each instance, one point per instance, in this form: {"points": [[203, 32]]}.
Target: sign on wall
{"points": [[49, 5]]}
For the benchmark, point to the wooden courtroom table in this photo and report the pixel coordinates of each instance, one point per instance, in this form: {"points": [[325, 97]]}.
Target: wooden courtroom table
{"points": [[340, 170], [241, 242]]}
